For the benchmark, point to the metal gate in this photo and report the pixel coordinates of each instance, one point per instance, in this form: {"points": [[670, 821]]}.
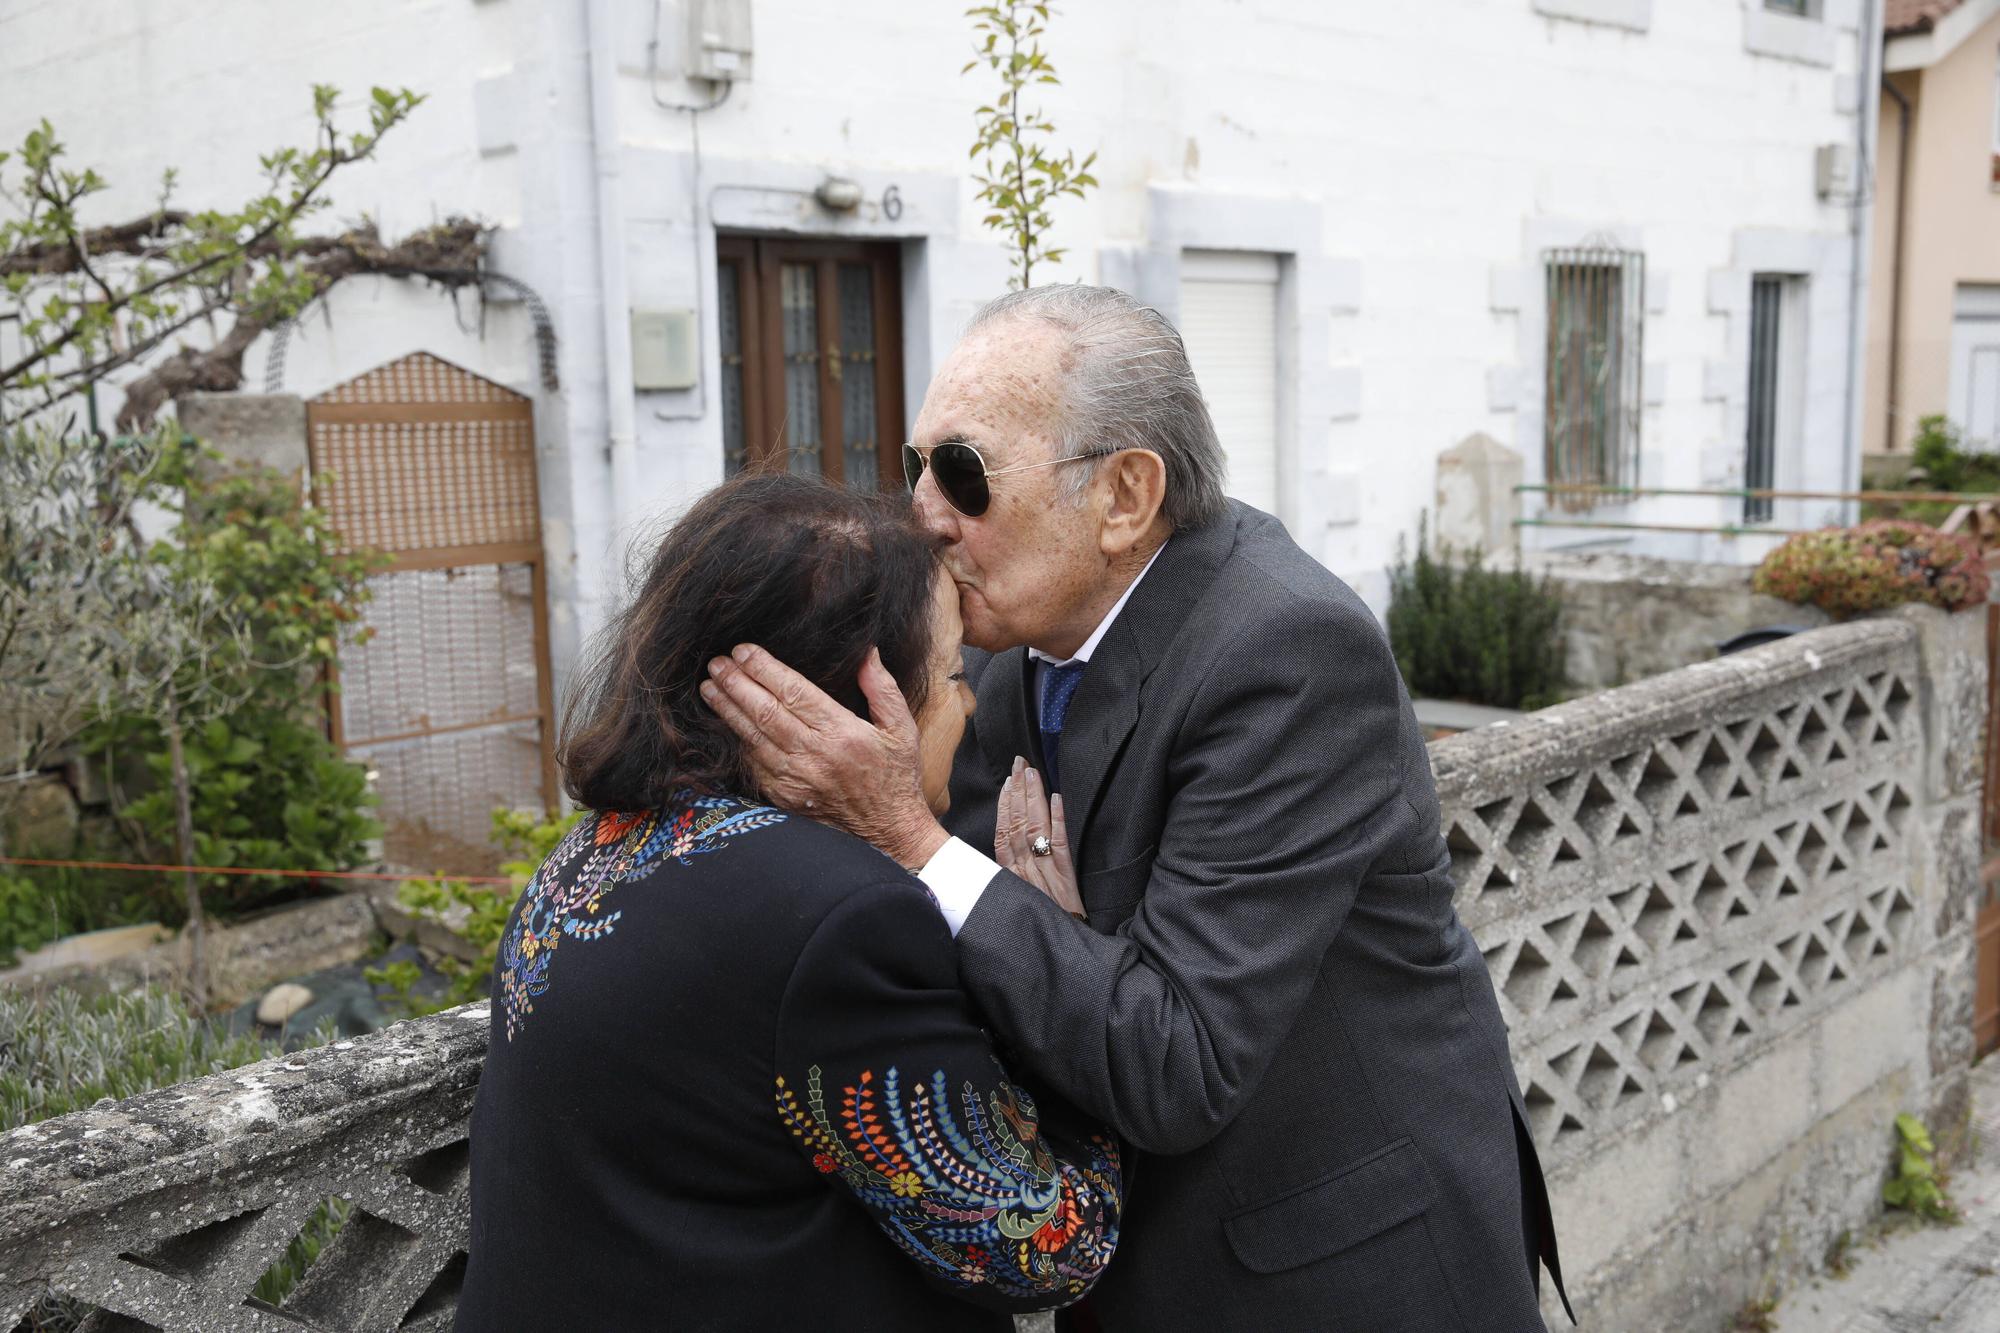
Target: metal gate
{"points": [[449, 701]]}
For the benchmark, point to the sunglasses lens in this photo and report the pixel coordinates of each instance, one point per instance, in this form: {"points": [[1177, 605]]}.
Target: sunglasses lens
{"points": [[961, 475], [913, 466]]}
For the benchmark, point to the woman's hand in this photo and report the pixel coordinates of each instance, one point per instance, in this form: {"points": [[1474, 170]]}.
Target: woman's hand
{"points": [[1026, 813]]}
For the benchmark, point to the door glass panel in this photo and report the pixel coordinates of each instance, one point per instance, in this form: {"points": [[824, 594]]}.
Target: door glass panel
{"points": [[801, 342], [857, 378], [729, 316]]}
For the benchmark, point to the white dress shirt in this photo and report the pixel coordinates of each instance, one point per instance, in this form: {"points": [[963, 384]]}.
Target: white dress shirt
{"points": [[958, 873]]}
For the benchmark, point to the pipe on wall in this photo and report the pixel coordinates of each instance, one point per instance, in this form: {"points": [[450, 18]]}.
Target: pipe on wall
{"points": [[620, 409], [1895, 377], [1869, 40]]}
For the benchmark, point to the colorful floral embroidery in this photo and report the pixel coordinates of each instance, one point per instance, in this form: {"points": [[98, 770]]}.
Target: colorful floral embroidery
{"points": [[977, 1200], [565, 899]]}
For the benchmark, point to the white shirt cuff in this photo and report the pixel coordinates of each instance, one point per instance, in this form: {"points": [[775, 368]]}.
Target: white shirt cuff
{"points": [[956, 875]]}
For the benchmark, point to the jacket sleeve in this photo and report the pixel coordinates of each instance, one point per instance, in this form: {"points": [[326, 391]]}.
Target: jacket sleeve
{"points": [[893, 1093], [1290, 782]]}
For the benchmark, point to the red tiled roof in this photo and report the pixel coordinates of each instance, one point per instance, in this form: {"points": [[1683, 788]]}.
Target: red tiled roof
{"points": [[1915, 15]]}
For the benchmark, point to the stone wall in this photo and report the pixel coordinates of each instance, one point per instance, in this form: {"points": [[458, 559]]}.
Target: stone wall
{"points": [[1628, 617], [1728, 911]]}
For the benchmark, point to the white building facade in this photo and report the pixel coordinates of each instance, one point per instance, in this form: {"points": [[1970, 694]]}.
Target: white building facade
{"points": [[1621, 237]]}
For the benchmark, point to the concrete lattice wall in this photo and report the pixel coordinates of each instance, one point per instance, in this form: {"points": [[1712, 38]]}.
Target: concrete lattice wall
{"points": [[1728, 911]]}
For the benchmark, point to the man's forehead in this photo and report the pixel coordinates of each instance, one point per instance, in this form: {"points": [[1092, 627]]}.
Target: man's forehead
{"points": [[997, 385]]}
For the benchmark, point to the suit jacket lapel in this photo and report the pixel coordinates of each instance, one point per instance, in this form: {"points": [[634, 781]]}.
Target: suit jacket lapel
{"points": [[1106, 706], [1001, 716]]}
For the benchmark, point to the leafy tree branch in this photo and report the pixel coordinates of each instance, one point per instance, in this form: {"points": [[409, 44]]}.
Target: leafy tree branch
{"points": [[81, 303], [1020, 173]]}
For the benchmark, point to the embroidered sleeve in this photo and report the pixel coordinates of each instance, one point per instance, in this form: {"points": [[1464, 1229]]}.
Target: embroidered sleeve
{"points": [[893, 1094]]}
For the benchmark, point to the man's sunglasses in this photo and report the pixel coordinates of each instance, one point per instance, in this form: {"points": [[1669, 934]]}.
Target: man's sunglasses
{"points": [[962, 473]]}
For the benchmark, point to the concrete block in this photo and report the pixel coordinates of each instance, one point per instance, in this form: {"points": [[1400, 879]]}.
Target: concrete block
{"points": [[1655, 383], [1476, 500], [496, 102], [1872, 1035], [1659, 286], [1787, 36], [1752, 1112], [1625, 1191], [1719, 380], [1340, 496], [249, 429], [1343, 286], [1953, 695], [1343, 393], [1728, 291]]}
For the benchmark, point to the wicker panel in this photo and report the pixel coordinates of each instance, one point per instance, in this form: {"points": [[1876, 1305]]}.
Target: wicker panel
{"points": [[419, 378], [452, 647], [439, 793], [421, 485]]}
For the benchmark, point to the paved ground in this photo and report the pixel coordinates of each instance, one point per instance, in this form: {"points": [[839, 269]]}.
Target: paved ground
{"points": [[1934, 1279]]}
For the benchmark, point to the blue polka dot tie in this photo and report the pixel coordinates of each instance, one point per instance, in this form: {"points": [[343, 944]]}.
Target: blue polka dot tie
{"points": [[1058, 688]]}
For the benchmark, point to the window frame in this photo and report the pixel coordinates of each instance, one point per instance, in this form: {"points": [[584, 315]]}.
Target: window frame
{"points": [[1616, 463], [758, 262]]}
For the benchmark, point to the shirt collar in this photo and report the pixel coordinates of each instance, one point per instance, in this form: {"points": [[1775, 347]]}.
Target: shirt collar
{"points": [[1103, 626]]}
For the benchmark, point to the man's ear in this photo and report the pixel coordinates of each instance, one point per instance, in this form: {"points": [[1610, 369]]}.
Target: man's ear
{"points": [[1137, 486]]}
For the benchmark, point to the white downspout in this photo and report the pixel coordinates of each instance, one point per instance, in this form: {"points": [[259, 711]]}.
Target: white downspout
{"points": [[1869, 117], [620, 411]]}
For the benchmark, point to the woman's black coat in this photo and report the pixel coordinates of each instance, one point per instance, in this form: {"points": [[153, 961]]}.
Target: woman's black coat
{"points": [[734, 1083]]}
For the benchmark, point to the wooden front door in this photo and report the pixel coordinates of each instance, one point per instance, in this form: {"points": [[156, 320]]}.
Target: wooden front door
{"points": [[812, 364]]}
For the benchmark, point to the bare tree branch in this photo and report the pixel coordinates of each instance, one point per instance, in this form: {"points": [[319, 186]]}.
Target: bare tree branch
{"points": [[448, 254]]}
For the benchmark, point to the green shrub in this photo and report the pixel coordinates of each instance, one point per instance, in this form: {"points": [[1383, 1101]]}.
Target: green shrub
{"points": [[1940, 462], [267, 787], [1877, 564], [527, 839], [61, 1051], [42, 904], [1463, 631]]}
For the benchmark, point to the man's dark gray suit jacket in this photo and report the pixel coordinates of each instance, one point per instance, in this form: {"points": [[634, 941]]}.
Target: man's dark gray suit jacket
{"points": [[1273, 1002]]}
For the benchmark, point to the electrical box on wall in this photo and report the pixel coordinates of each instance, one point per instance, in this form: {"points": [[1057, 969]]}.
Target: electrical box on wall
{"points": [[663, 349], [718, 46]]}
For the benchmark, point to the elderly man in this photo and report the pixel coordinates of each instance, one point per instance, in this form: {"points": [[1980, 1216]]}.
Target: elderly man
{"points": [[1268, 993]]}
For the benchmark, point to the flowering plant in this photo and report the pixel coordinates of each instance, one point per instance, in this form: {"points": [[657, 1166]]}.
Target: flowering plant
{"points": [[1886, 562]]}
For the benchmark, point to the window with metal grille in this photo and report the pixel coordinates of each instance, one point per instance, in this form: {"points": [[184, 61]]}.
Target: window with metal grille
{"points": [[1760, 457], [1805, 9], [1591, 378]]}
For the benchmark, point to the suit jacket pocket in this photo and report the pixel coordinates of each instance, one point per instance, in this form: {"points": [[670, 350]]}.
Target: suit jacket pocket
{"points": [[1314, 1221], [1116, 887]]}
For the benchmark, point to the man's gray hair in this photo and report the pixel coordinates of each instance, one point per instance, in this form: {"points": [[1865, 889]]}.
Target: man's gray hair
{"points": [[1128, 385]]}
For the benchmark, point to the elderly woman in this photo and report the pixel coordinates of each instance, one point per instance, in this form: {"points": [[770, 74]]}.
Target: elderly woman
{"points": [[733, 1082]]}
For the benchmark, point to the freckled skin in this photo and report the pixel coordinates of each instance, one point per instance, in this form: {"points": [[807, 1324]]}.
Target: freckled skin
{"points": [[1030, 570]]}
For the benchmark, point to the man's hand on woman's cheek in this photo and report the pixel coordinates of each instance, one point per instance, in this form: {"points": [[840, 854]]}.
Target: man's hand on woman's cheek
{"points": [[812, 755]]}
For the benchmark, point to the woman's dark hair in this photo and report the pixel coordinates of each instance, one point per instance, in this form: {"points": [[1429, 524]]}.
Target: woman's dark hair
{"points": [[813, 573]]}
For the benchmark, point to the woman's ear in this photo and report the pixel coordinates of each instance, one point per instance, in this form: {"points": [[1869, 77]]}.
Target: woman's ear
{"points": [[1137, 481]]}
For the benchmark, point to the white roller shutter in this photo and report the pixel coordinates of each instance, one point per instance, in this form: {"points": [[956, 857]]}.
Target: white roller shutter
{"points": [[1229, 320]]}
